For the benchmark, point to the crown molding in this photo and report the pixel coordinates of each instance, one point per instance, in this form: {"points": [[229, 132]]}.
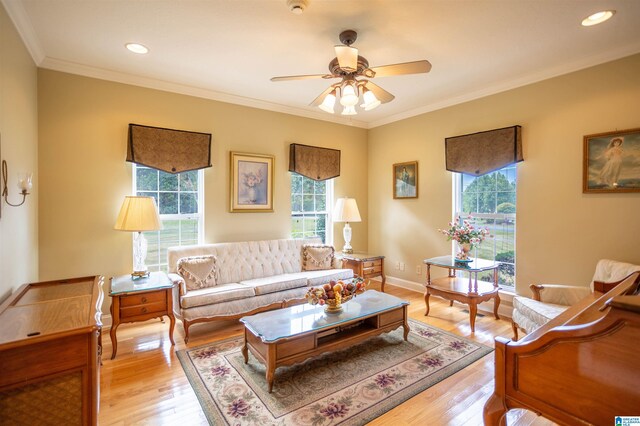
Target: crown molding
{"points": [[22, 23], [532, 78], [151, 83]]}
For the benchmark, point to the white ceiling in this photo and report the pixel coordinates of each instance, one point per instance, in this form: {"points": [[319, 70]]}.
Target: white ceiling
{"points": [[229, 49]]}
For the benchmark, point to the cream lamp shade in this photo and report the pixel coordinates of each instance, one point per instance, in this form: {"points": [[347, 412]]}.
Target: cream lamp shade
{"points": [[346, 210], [138, 214]]}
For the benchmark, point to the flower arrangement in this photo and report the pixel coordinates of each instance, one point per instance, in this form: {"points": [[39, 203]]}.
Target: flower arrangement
{"points": [[333, 294], [465, 234]]}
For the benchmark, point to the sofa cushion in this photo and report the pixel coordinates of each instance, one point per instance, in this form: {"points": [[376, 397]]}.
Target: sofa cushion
{"points": [[216, 294], [535, 313], [317, 257], [315, 278], [198, 271], [243, 306], [275, 283]]}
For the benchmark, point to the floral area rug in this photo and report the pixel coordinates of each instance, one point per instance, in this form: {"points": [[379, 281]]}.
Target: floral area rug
{"points": [[348, 387]]}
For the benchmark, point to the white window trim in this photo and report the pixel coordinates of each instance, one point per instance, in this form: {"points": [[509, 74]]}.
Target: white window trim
{"points": [[456, 203], [200, 215], [328, 232]]}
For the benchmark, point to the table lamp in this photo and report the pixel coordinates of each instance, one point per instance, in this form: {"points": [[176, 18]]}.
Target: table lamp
{"points": [[346, 210], [138, 214]]}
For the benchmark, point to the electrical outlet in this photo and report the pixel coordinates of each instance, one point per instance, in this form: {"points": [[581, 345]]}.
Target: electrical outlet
{"points": [[402, 266], [418, 270], [398, 265]]}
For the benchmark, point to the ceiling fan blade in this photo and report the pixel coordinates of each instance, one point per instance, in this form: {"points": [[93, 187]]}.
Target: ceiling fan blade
{"points": [[382, 95], [347, 57], [303, 77], [415, 67], [317, 101]]}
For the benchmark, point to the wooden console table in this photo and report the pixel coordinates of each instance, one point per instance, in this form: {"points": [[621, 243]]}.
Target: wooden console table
{"points": [[271, 338], [50, 350], [579, 368], [469, 291]]}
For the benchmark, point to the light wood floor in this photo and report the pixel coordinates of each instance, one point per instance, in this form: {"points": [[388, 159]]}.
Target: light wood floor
{"points": [[145, 384]]}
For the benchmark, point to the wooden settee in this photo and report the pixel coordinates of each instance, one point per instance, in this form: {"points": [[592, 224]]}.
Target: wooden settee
{"points": [[579, 368]]}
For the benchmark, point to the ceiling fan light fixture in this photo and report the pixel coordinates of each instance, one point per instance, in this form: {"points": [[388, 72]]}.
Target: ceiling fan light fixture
{"points": [[328, 103], [370, 100], [349, 96], [598, 18], [349, 110]]}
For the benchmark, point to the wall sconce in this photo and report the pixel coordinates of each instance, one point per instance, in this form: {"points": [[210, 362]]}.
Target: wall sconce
{"points": [[24, 184]]}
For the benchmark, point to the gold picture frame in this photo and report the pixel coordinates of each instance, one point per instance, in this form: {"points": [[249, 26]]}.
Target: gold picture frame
{"points": [[251, 182], [405, 180], [610, 162]]}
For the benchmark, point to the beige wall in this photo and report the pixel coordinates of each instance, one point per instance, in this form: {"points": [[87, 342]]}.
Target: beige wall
{"points": [[561, 232], [19, 133], [84, 176]]}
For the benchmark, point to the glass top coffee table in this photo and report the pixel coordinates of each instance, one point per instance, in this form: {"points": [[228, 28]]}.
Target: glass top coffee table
{"points": [[291, 335]]}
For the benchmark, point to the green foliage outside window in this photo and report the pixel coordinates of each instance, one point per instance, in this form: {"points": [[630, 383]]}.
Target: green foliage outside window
{"points": [[175, 195], [491, 201], [308, 207]]}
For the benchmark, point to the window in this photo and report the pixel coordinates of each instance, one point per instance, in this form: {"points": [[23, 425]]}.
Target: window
{"points": [[491, 201], [180, 201], [310, 204]]}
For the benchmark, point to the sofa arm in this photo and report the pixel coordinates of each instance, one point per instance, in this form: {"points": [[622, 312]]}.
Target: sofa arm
{"points": [[179, 281], [566, 295], [337, 263]]}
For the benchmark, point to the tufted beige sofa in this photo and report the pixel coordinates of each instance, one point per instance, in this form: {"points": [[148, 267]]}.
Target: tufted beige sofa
{"points": [[252, 276], [550, 300]]}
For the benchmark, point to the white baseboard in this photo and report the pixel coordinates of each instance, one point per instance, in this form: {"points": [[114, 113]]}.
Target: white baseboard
{"points": [[409, 285], [106, 322]]}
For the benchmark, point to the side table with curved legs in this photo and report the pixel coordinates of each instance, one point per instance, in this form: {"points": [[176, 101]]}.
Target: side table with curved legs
{"points": [[470, 291], [140, 300]]}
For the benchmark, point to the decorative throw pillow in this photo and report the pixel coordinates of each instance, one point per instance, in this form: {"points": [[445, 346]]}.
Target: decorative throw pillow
{"points": [[317, 257], [198, 271]]}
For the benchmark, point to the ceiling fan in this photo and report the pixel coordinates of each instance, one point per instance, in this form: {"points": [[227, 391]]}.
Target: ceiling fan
{"points": [[354, 72]]}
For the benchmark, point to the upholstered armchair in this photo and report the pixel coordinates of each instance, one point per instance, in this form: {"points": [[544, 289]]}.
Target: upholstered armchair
{"points": [[550, 300]]}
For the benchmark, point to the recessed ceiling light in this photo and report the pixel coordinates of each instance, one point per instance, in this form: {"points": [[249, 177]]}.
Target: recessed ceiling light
{"points": [[137, 48], [597, 18]]}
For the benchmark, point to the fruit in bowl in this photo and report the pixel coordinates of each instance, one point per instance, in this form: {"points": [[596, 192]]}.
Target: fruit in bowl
{"points": [[333, 294]]}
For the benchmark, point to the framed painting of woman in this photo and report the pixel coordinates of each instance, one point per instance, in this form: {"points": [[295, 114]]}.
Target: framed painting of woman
{"points": [[405, 180], [612, 162]]}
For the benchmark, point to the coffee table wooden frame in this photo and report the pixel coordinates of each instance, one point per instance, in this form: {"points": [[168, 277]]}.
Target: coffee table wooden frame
{"points": [[300, 347]]}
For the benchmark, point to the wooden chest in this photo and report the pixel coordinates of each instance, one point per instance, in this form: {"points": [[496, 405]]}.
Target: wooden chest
{"points": [[50, 349]]}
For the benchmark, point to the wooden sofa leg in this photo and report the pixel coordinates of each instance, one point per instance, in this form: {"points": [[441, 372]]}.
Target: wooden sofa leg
{"points": [[185, 325], [514, 326]]}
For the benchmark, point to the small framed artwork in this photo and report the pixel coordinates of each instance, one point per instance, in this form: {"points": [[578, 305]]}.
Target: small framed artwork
{"points": [[251, 182], [612, 162], [405, 180]]}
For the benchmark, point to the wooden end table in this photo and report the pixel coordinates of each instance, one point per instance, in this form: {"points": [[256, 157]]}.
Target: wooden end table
{"points": [[469, 291], [364, 264], [140, 300]]}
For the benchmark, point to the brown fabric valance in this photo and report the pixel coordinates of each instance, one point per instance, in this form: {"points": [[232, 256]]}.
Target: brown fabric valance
{"points": [[171, 151], [483, 152], [313, 162]]}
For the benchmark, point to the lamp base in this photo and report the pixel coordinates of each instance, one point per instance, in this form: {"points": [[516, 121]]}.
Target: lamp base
{"points": [[346, 233]]}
